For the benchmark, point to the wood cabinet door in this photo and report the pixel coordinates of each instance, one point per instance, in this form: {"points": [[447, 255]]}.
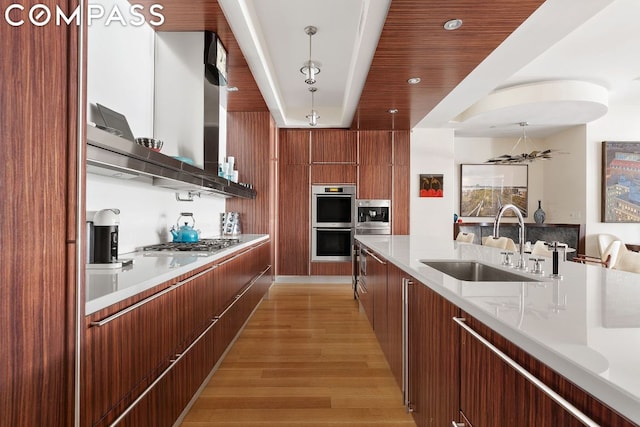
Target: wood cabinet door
{"points": [[394, 320], [375, 165], [125, 355], [433, 341], [333, 146], [294, 146], [493, 393], [164, 403], [293, 220], [377, 276]]}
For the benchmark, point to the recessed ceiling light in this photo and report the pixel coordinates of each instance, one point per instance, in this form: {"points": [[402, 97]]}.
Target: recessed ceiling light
{"points": [[453, 24], [413, 80], [232, 89], [392, 110]]}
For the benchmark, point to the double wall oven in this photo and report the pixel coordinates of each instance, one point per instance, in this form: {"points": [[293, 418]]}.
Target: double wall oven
{"points": [[332, 222]]}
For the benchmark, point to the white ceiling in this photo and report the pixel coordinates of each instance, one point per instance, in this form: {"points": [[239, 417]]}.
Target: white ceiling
{"points": [[593, 43]]}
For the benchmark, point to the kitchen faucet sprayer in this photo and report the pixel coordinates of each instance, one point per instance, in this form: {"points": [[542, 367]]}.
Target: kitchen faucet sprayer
{"points": [[496, 231]]}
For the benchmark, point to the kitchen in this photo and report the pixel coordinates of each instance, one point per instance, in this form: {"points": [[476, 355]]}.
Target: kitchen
{"points": [[53, 226]]}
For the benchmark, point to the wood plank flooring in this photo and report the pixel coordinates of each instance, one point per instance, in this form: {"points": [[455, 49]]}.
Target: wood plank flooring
{"points": [[308, 358]]}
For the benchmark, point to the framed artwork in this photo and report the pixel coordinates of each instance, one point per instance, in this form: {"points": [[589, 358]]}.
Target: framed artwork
{"points": [[620, 181], [431, 185], [485, 188]]}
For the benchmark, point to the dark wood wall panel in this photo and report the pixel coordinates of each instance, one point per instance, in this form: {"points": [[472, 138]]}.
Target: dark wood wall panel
{"points": [[249, 140], [414, 44], [38, 112], [333, 146], [333, 174], [401, 184]]}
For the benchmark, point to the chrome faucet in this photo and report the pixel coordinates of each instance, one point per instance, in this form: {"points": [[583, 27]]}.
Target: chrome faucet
{"points": [[496, 231]]}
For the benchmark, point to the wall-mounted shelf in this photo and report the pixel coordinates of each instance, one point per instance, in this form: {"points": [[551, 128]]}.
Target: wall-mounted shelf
{"points": [[117, 157]]}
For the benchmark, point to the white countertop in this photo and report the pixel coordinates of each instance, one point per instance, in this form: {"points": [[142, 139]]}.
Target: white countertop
{"points": [[105, 287], [586, 326]]}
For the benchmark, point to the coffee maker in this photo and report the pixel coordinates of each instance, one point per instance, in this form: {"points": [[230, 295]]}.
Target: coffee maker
{"points": [[102, 239]]}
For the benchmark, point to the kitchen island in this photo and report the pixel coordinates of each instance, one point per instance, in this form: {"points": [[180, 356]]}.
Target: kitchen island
{"points": [[585, 327]]}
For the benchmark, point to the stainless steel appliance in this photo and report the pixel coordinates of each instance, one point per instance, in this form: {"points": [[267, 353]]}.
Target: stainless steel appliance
{"points": [[332, 222], [203, 246], [373, 217], [102, 239]]}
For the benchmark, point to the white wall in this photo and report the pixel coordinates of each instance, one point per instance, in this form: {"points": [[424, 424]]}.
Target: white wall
{"points": [[179, 96], [620, 124], [564, 177], [120, 66], [147, 213], [432, 152]]}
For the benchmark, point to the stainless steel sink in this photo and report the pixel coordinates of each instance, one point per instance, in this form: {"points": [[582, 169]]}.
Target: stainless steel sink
{"points": [[474, 271]]}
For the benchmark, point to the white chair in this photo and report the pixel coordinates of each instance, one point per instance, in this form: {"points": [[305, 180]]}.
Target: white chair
{"points": [[465, 237], [604, 240], [540, 248], [627, 261], [500, 242], [608, 257]]}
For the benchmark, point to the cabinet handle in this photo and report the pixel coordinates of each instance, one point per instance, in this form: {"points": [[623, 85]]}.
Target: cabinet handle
{"points": [[172, 363], [150, 298], [457, 424], [528, 375], [405, 343], [373, 256]]}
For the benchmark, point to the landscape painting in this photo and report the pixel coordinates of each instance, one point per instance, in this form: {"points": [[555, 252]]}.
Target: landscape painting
{"points": [[620, 181], [486, 188]]}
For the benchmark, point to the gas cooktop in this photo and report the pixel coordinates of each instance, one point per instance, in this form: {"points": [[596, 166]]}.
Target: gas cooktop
{"points": [[203, 245]]}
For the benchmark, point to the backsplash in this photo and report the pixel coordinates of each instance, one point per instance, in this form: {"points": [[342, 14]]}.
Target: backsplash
{"points": [[147, 213]]}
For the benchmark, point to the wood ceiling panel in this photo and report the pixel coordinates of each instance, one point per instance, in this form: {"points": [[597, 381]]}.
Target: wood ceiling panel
{"points": [[200, 15], [414, 43]]}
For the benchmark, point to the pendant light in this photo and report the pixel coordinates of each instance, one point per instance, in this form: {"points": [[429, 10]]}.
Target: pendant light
{"points": [[525, 157], [313, 116], [310, 68]]}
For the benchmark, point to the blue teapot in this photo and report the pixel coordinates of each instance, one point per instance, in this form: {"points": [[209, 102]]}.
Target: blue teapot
{"points": [[186, 233]]}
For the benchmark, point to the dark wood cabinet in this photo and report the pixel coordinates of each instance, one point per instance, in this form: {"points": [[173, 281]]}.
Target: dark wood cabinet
{"points": [[393, 349], [376, 161], [375, 165], [433, 357], [484, 376], [144, 361], [333, 146], [293, 199]]}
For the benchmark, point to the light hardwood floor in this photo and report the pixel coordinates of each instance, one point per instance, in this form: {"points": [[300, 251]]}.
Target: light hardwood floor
{"points": [[307, 357]]}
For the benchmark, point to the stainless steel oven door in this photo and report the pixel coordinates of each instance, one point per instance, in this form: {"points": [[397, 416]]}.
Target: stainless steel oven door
{"points": [[333, 206], [331, 244]]}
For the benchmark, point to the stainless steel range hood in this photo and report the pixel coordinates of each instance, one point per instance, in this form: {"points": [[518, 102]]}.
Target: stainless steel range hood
{"points": [[114, 156]]}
